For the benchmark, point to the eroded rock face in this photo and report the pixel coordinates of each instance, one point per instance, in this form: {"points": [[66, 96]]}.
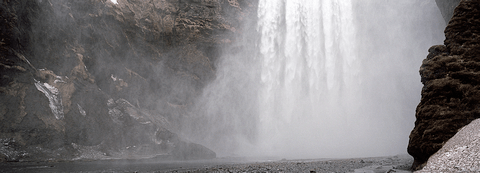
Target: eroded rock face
{"points": [[446, 8], [451, 78], [93, 79]]}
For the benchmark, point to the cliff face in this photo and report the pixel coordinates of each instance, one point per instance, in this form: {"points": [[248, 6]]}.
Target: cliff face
{"points": [[93, 79], [451, 78], [446, 8]]}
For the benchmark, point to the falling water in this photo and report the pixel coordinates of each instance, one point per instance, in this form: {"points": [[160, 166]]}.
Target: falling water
{"points": [[309, 72], [330, 78]]}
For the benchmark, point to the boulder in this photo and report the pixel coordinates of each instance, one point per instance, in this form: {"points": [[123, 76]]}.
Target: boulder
{"points": [[461, 153]]}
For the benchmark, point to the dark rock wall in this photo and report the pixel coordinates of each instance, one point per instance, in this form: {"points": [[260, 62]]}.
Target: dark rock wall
{"points": [[446, 8], [451, 78], [93, 79]]}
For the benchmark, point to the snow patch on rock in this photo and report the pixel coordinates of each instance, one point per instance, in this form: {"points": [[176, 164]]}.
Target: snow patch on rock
{"points": [[55, 101]]}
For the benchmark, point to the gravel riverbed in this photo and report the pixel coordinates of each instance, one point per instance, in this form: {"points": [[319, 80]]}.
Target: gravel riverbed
{"points": [[399, 163]]}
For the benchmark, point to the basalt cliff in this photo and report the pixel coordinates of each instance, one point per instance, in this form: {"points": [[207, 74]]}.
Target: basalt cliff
{"points": [[451, 91], [95, 79]]}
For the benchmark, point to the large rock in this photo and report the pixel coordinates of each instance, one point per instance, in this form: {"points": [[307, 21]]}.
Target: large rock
{"points": [[451, 78], [92, 79], [461, 153]]}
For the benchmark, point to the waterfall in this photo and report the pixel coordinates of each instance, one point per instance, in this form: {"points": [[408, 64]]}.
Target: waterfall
{"points": [[309, 64], [329, 78]]}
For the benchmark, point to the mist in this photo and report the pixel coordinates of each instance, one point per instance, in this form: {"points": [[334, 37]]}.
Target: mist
{"points": [[324, 79]]}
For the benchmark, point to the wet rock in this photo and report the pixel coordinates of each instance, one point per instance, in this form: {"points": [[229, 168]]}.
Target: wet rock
{"points": [[450, 74], [93, 79], [189, 151]]}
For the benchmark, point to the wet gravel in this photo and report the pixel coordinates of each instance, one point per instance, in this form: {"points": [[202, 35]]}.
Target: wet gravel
{"points": [[400, 163], [378, 164]]}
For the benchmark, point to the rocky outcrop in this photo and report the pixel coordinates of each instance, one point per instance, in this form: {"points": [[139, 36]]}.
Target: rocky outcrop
{"points": [[446, 8], [93, 79], [451, 78]]}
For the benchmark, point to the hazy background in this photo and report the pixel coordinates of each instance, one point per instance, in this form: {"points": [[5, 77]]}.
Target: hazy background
{"points": [[332, 78]]}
